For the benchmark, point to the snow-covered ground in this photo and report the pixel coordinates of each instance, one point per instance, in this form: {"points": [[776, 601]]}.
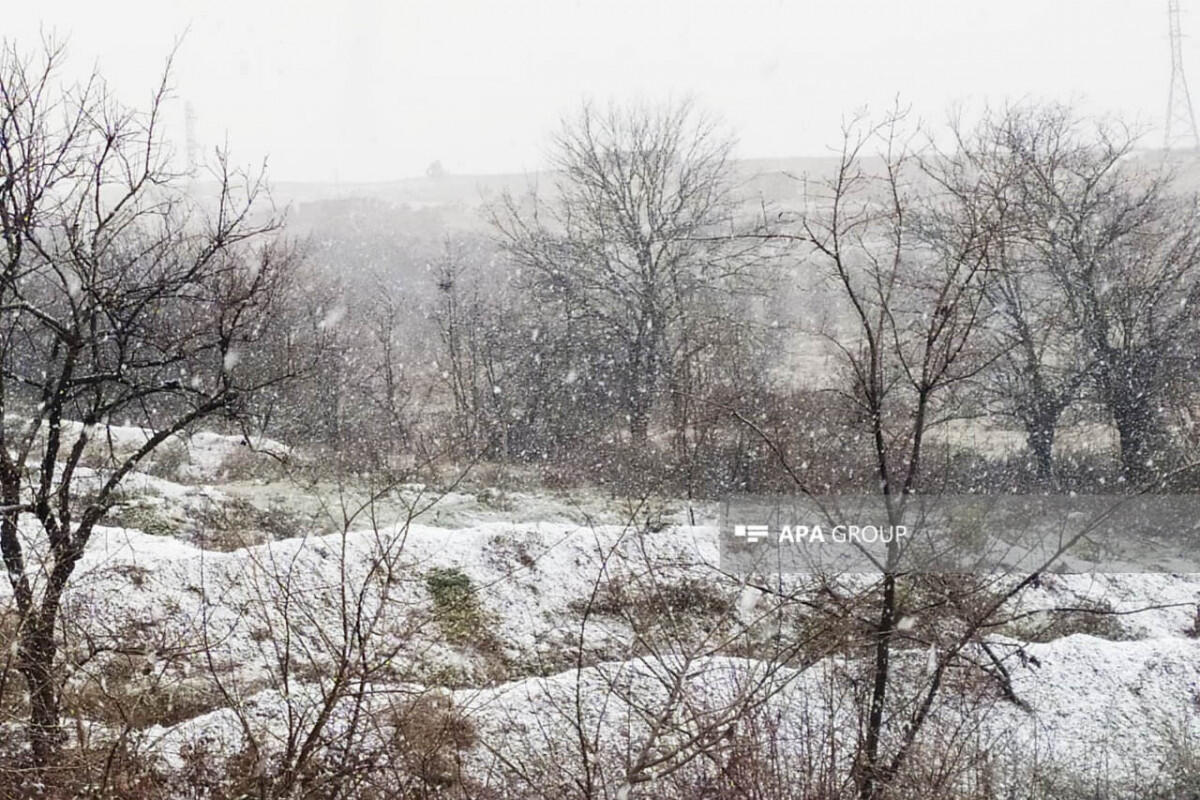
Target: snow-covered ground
{"points": [[242, 641]]}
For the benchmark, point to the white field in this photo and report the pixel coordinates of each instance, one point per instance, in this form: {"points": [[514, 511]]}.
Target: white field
{"points": [[199, 615]]}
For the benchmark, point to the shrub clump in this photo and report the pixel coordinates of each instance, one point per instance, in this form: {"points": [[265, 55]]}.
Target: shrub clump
{"points": [[456, 605]]}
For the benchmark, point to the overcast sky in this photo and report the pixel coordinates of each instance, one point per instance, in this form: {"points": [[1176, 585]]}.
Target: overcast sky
{"points": [[357, 91]]}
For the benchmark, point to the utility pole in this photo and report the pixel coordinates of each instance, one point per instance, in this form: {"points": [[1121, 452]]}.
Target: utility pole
{"points": [[1181, 119]]}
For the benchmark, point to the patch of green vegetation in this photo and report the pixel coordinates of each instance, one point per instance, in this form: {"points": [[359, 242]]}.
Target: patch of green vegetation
{"points": [[145, 518], [456, 605]]}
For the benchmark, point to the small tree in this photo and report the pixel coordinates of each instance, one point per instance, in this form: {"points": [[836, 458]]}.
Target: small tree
{"points": [[122, 300], [914, 298]]}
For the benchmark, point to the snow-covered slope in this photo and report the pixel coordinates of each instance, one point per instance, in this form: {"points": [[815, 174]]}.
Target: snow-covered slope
{"points": [[552, 640]]}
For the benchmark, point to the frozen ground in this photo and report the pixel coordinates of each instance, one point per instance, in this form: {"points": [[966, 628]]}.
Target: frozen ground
{"points": [[194, 616]]}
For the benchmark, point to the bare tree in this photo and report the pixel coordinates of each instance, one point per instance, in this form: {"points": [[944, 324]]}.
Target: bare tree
{"points": [[475, 347], [628, 241], [1101, 277], [122, 300], [915, 304], [1041, 364]]}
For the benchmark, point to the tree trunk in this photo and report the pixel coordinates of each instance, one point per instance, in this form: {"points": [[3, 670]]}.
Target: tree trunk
{"points": [[37, 651], [639, 418], [1140, 435], [642, 381], [869, 785], [1131, 391], [1040, 431]]}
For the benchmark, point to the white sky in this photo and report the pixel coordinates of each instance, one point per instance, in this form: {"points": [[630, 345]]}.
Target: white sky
{"points": [[364, 90]]}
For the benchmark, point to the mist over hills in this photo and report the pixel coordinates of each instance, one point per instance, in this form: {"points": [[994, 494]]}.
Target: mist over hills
{"points": [[395, 231], [432, 207], [436, 205]]}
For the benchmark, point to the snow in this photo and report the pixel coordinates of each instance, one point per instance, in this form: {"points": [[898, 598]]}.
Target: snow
{"points": [[1084, 694], [206, 454], [533, 558]]}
